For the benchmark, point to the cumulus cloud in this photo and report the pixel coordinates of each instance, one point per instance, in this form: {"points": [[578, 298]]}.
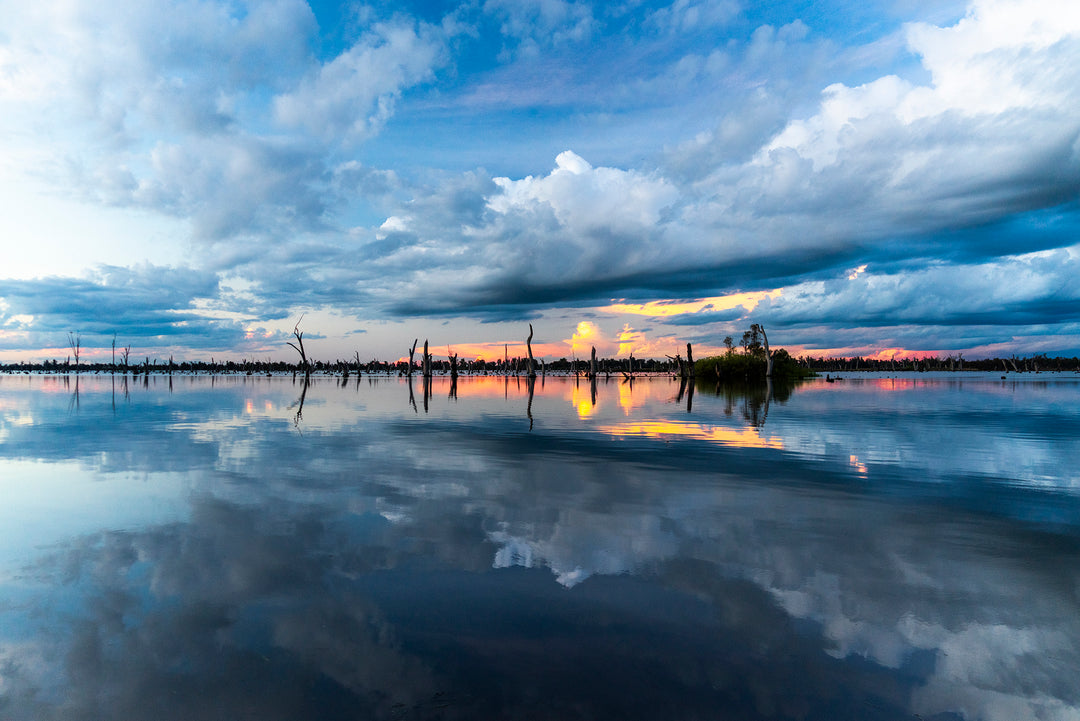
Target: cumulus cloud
{"points": [[961, 154], [351, 97], [188, 122], [888, 170]]}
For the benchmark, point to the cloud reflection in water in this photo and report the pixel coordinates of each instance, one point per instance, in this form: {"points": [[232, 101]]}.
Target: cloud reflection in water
{"points": [[380, 563]]}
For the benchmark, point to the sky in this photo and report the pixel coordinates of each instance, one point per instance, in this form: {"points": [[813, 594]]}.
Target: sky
{"points": [[861, 177]]}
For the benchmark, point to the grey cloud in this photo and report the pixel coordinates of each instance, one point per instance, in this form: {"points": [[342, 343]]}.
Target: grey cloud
{"points": [[1026, 290], [229, 186], [143, 306]]}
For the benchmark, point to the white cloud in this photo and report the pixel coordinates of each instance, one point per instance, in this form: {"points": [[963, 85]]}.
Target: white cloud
{"points": [[1016, 290], [1005, 56], [353, 95], [694, 15], [543, 22], [584, 198]]}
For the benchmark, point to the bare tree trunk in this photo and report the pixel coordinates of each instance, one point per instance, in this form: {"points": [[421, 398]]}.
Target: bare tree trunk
{"points": [[679, 370], [768, 353], [689, 361], [412, 352], [427, 361], [592, 364], [298, 347], [528, 346], [75, 341]]}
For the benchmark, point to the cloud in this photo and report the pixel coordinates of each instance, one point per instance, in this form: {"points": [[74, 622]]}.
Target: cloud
{"points": [[190, 122], [1037, 288], [888, 170], [748, 157], [693, 16], [142, 306], [351, 97], [536, 23], [229, 187]]}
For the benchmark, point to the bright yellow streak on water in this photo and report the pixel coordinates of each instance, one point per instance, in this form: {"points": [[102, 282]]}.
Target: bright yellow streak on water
{"points": [[748, 437]]}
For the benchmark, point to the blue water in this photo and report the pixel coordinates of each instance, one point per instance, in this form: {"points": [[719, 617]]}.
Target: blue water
{"points": [[243, 547]]}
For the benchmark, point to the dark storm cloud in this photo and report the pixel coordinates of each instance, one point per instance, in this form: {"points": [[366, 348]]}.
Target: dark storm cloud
{"points": [[148, 298], [141, 305]]}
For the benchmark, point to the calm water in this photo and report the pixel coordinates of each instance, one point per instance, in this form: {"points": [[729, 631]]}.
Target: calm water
{"points": [[238, 548]]}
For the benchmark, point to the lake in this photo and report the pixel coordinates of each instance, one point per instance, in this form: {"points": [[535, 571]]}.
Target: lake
{"points": [[247, 548]]}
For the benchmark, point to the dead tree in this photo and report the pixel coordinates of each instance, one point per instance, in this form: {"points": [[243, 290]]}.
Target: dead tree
{"points": [[768, 352], [528, 346], [677, 360], [592, 364], [426, 361], [412, 352], [299, 347], [689, 361], [453, 363], [75, 341]]}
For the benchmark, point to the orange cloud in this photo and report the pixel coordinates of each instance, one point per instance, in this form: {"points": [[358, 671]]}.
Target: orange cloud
{"points": [[665, 308], [629, 339], [898, 353], [586, 335]]}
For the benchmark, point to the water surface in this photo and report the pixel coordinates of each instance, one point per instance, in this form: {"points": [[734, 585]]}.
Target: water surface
{"points": [[245, 547]]}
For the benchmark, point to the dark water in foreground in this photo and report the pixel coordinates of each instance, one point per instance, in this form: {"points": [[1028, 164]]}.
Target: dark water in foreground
{"points": [[869, 549]]}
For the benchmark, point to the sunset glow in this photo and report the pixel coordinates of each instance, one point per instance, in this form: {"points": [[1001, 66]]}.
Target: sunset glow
{"points": [[585, 336], [666, 308]]}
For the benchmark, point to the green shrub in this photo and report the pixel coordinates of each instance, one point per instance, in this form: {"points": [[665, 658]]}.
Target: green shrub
{"points": [[745, 367]]}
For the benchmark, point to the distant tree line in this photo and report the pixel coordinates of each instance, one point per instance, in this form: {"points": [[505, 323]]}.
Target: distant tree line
{"points": [[748, 359], [1032, 364]]}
